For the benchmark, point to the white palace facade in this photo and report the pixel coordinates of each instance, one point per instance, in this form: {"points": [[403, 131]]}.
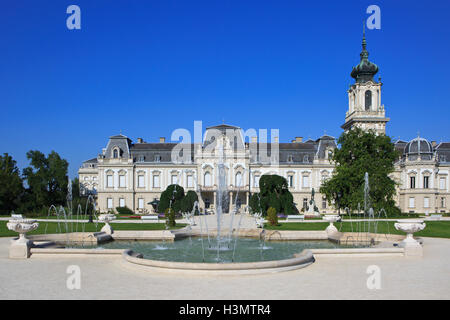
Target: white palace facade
{"points": [[134, 174]]}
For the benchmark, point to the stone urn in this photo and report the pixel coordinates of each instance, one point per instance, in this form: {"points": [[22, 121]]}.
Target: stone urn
{"points": [[331, 218], [107, 218], [410, 226], [20, 248]]}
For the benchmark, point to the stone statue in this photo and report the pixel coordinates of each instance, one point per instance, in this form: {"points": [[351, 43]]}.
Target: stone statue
{"points": [[312, 209]]}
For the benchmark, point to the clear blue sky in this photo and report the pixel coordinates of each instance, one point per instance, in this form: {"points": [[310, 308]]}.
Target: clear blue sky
{"points": [[149, 67]]}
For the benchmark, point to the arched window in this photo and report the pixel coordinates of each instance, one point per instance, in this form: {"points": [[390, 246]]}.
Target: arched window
{"points": [[368, 100], [207, 179], [115, 153]]}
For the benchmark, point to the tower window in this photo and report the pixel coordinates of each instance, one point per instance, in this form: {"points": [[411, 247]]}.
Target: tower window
{"points": [[368, 100]]}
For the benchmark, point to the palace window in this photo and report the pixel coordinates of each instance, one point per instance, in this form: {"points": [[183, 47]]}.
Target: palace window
{"points": [[412, 182], [140, 203], [190, 181], [207, 179], [115, 153], [174, 179], [368, 100], [412, 203], [256, 181], [156, 181], [291, 181], [425, 182], [109, 203], [442, 202], [305, 204], [141, 181], [109, 181], [442, 183], [305, 182], [122, 181], [122, 202], [238, 179], [426, 202]]}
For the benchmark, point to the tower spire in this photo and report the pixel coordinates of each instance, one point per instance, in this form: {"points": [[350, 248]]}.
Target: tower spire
{"points": [[364, 43]]}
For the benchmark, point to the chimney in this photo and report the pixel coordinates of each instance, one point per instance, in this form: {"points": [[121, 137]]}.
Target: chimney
{"points": [[140, 140], [298, 139], [275, 139], [293, 141], [434, 144], [162, 140], [254, 139]]}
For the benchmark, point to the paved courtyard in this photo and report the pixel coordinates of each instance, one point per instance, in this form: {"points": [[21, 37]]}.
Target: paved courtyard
{"points": [[328, 278]]}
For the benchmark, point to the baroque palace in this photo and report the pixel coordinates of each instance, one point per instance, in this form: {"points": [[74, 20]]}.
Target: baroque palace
{"points": [[134, 174]]}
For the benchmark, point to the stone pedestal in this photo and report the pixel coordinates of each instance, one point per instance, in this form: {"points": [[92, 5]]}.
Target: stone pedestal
{"points": [[20, 249], [412, 248]]}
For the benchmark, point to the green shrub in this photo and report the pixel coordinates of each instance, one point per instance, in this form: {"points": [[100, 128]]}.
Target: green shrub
{"points": [[272, 216], [170, 218], [124, 211]]}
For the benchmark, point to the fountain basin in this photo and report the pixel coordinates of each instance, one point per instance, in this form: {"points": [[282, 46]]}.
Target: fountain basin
{"points": [[304, 259]]}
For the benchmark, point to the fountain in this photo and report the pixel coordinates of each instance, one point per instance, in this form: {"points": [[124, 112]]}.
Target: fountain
{"points": [[20, 248]]}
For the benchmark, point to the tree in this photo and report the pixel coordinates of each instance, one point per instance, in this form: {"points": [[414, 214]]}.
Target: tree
{"points": [[46, 178], [360, 152], [171, 198], [175, 198], [187, 204], [76, 188], [273, 193], [11, 184]]}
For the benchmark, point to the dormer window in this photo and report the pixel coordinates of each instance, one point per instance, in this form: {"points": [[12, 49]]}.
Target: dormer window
{"points": [[305, 158], [290, 158], [141, 159], [115, 154], [157, 158]]}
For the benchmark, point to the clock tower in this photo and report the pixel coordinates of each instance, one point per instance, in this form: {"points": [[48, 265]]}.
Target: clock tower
{"points": [[364, 97]]}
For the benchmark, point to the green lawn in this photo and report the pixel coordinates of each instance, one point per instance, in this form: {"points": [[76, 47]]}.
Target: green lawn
{"points": [[90, 227], [439, 229]]}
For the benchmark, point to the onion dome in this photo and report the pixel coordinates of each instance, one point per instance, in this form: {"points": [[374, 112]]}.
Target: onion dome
{"points": [[365, 70]]}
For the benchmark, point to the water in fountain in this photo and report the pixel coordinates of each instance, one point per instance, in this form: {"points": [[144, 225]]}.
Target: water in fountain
{"points": [[66, 223], [367, 224]]}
